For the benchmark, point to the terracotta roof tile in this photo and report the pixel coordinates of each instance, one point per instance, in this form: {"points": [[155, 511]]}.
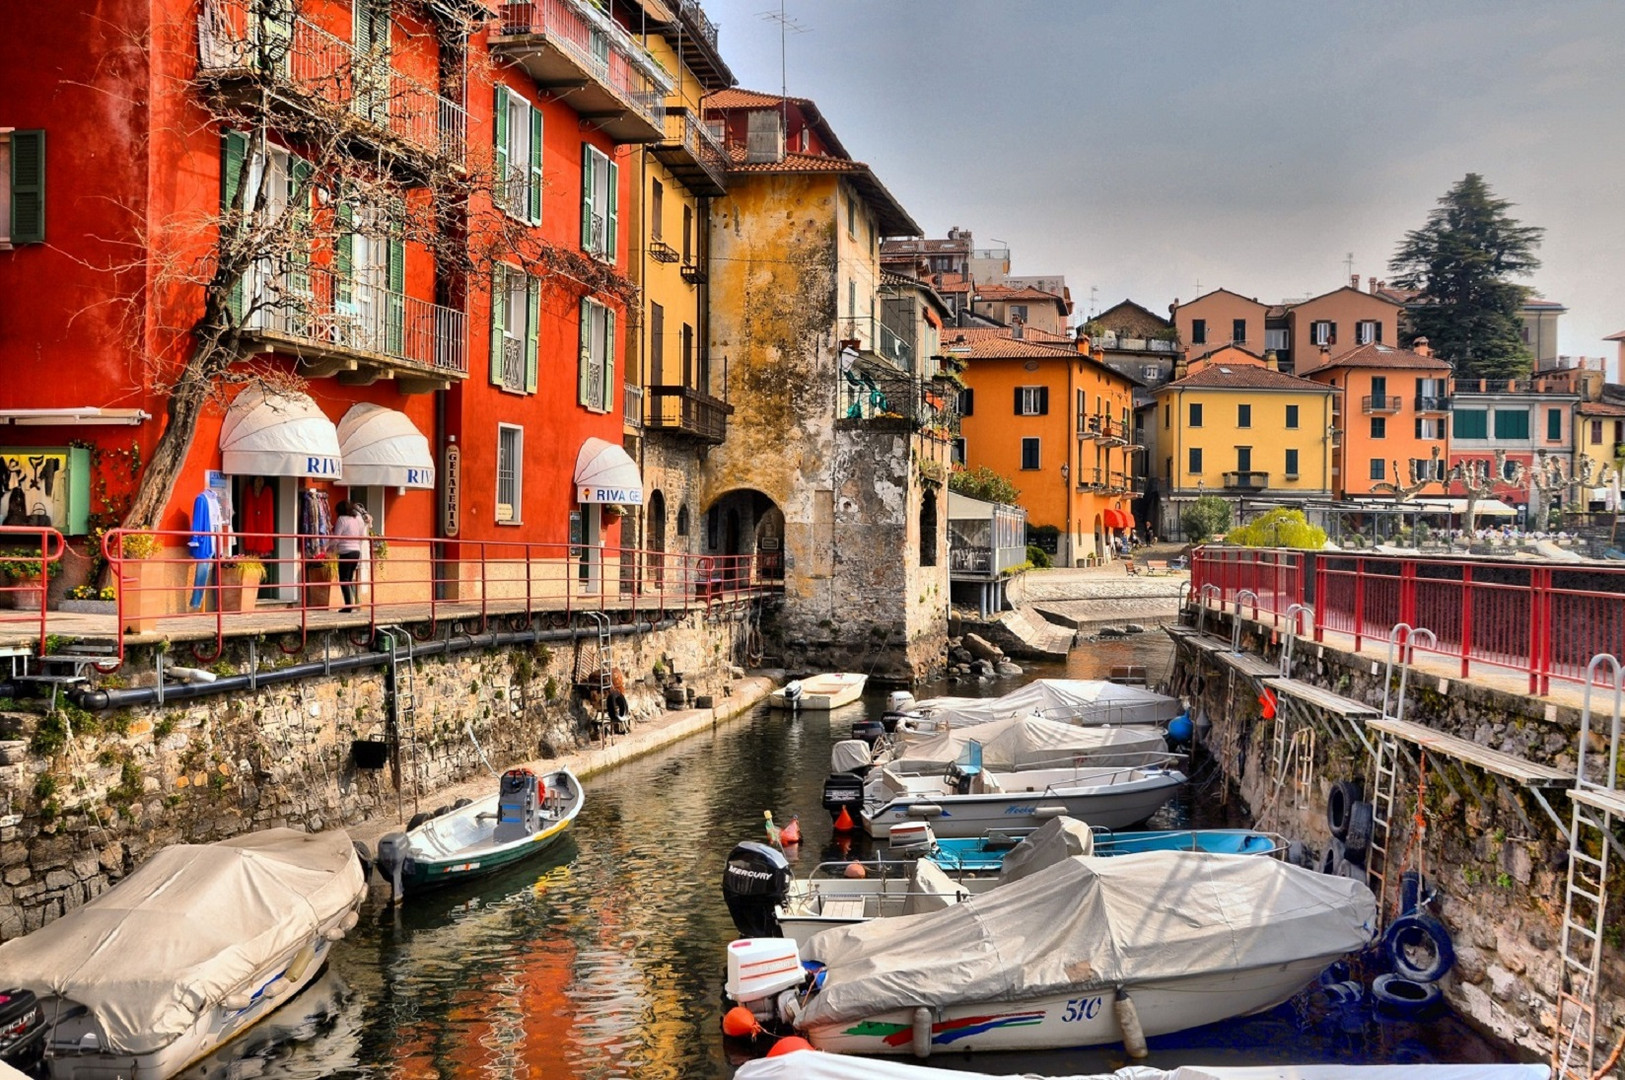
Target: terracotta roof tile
{"points": [[793, 162], [1222, 376], [1001, 293], [1378, 357], [1601, 408], [739, 98], [975, 334]]}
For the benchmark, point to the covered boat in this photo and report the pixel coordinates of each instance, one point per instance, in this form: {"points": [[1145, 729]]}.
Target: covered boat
{"points": [[200, 943], [1031, 742], [525, 816], [1085, 952], [813, 1066], [1073, 701]]}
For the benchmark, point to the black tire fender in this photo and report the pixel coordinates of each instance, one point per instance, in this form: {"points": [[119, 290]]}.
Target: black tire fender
{"points": [[1340, 803], [1419, 947], [417, 819], [1357, 838], [1396, 995]]}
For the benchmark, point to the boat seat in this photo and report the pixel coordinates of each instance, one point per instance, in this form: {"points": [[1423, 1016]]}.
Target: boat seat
{"points": [[842, 907]]}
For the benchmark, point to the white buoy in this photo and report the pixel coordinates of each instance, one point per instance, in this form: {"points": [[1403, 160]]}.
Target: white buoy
{"points": [[922, 1032], [1128, 1022]]}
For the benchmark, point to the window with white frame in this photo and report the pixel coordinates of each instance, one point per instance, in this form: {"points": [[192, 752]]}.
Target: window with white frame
{"points": [[510, 472], [1323, 332], [1367, 331], [1430, 427], [600, 203], [518, 156], [515, 327], [1029, 453], [595, 378], [1032, 401]]}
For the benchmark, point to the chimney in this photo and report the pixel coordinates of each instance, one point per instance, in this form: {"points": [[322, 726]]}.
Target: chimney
{"points": [[1354, 282], [1372, 283], [1421, 348], [1325, 353], [1270, 361]]}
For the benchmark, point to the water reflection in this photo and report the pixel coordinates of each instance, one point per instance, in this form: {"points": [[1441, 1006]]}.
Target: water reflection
{"points": [[606, 961]]}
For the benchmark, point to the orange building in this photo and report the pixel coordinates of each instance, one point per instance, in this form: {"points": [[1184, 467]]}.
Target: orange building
{"points": [[1391, 419], [1335, 323], [1219, 318], [1057, 422]]}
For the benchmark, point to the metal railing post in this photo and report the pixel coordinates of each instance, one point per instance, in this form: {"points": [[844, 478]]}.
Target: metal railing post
{"points": [[1466, 619]]}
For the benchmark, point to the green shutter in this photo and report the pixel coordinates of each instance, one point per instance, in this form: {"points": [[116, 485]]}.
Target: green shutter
{"points": [[584, 363], [395, 299], [609, 359], [533, 325], [344, 254], [28, 187], [500, 182], [499, 295], [612, 212], [535, 165], [586, 196], [299, 173], [233, 164]]}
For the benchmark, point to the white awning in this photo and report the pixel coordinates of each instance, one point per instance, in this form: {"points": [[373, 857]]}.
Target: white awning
{"points": [[270, 433], [1483, 508], [605, 473], [89, 414], [382, 446]]}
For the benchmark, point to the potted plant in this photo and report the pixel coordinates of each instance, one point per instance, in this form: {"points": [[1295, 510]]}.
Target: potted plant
{"points": [[320, 573], [26, 575], [90, 600], [143, 593], [240, 578]]}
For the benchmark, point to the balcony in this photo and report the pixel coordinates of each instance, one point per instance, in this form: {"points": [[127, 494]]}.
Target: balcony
{"points": [[574, 47], [684, 411], [1432, 403], [662, 252], [869, 335], [1088, 427], [1246, 481], [1374, 406], [355, 330], [873, 391], [693, 153], [242, 50], [695, 273], [632, 410]]}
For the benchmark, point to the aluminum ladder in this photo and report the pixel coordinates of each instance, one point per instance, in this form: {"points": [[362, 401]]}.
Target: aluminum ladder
{"points": [[1383, 791], [601, 682], [1598, 808], [400, 699]]}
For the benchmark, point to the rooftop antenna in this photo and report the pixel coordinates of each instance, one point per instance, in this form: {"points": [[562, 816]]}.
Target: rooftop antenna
{"points": [[1348, 265], [786, 25], [1093, 289]]}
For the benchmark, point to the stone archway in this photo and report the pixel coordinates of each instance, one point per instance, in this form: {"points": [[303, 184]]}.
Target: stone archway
{"points": [[734, 529], [655, 526]]}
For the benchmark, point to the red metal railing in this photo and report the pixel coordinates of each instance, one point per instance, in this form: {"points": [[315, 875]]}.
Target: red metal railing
{"points": [[29, 556], [1546, 620], [401, 580]]}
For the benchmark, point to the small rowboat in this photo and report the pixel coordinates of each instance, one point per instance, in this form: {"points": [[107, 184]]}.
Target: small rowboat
{"points": [[525, 816]]}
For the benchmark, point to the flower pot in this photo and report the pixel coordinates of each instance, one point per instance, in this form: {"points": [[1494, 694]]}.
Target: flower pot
{"points": [[27, 591], [144, 594], [319, 584], [240, 586]]}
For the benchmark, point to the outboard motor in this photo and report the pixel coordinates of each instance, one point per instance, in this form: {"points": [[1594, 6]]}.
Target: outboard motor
{"points": [[870, 731], [754, 884], [792, 694], [519, 806], [394, 853], [844, 791], [891, 717], [22, 1029]]}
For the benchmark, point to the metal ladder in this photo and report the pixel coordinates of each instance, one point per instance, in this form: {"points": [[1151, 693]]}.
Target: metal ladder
{"points": [[1384, 787], [603, 678], [400, 699], [1598, 807]]}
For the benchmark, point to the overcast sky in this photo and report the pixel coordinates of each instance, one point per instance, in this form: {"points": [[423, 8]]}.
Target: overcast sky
{"points": [[1155, 150]]}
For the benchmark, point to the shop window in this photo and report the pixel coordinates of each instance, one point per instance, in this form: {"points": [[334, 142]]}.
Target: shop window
{"points": [[510, 476]]}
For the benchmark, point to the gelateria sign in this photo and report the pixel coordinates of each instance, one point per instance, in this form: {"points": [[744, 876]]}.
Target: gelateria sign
{"points": [[587, 493], [452, 485]]}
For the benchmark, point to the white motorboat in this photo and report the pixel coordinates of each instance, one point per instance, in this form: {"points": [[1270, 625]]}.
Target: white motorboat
{"points": [[196, 946], [805, 1065], [819, 693], [1086, 952], [965, 801], [1072, 701], [1029, 742]]}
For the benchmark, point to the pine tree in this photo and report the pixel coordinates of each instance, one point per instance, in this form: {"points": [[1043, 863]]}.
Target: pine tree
{"points": [[1462, 260]]}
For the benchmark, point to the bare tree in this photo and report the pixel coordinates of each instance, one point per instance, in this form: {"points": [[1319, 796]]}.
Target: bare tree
{"points": [[1480, 479], [1428, 473], [327, 149]]}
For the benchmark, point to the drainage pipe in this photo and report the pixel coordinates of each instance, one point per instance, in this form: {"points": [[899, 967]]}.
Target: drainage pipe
{"points": [[101, 700]]}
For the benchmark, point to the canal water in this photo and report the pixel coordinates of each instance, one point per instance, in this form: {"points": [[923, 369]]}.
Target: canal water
{"points": [[607, 961]]}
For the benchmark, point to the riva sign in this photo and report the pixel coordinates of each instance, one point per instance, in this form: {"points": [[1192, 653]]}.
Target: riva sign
{"points": [[588, 493]]}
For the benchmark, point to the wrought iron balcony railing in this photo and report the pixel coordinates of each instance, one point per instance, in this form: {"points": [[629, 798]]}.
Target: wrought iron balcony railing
{"points": [[1247, 481], [686, 411], [693, 153], [1371, 405]]}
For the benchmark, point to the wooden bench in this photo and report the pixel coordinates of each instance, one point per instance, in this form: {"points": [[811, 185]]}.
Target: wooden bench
{"points": [[1157, 566]]}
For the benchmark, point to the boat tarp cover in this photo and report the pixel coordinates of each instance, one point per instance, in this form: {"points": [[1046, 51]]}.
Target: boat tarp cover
{"points": [[191, 926], [1089, 924], [849, 755], [811, 1065], [1053, 842], [1076, 701], [1031, 742]]}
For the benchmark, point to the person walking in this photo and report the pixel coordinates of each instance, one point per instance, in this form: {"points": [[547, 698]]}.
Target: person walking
{"points": [[349, 529]]}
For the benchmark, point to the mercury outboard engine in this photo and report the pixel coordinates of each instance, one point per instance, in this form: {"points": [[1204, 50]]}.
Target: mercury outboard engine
{"points": [[870, 731], [844, 790], [899, 703], [22, 1029], [754, 884]]}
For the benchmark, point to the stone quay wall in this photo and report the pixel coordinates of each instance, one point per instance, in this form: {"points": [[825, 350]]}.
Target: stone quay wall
{"points": [[87, 796], [1500, 876]]}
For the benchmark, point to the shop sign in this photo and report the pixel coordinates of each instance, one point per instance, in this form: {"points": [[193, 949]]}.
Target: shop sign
{"points": [[452, 483], [591, 493]]}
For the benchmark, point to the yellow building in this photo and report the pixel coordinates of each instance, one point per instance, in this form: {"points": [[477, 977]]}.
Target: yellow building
{"points": [[674, 406], [1240, 429]]}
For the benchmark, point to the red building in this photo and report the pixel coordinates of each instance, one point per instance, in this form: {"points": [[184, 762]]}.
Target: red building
{"points": [[406, 210]]}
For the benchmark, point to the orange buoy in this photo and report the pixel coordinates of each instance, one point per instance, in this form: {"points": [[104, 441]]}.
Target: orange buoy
{"points": [[843, 821], [856, 870], [739, 1023], [791, 833], [789, 1045]]}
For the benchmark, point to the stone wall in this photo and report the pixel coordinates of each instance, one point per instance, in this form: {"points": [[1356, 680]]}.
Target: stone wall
{"points": [[1500, 876], [89, 795]]}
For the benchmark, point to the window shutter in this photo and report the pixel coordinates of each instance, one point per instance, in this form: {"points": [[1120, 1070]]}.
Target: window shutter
{"points": [[536, 166], [1043, 401], [967, 401], [1331, 333], [609, 360], [1018, 401], [233, 156], [612, 213], [344, 254], [586, 199], [500, 114], [299, 214], [499, 314], [533, 331], [1418, 427], [584, 364], [395, 299], [1376, 334]]}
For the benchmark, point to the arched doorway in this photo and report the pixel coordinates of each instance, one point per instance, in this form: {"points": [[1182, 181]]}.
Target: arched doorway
{"points": [[770, 545], [655, 523], [732, 529], [928, 528]]}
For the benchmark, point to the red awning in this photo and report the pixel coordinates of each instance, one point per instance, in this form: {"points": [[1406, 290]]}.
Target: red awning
{"points": [[1128, 518], [1113, 518]]}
